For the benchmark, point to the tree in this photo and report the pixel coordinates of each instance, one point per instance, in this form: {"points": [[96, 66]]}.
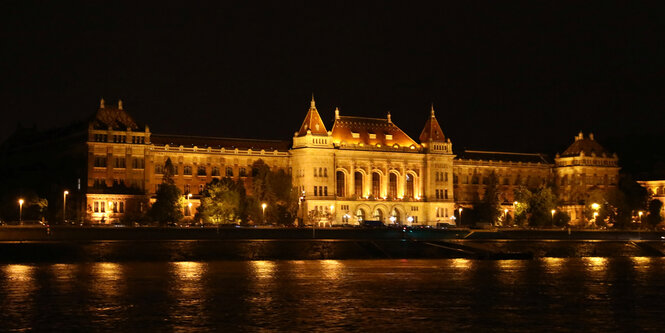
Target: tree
{"points": [[535, 207], [275, 189], [169, 201], [220, 202], [490, 208], [653, 217]]}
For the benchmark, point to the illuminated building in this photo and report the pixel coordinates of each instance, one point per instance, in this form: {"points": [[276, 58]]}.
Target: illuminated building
{"points": [[361, 169]]}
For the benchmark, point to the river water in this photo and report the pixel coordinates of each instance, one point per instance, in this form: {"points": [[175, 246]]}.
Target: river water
{"points": [[553, 294]]}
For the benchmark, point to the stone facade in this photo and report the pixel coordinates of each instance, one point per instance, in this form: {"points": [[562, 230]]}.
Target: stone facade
{"points": [[362, 169]]}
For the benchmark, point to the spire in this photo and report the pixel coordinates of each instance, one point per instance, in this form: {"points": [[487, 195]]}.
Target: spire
{"points": [[389, 117], [336, 113], [432, 130], [312, 122], [101, 103], [120, 104]]}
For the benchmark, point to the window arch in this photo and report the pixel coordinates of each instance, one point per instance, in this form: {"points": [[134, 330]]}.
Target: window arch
{"points": [[409, 186], [376, 184], [358, 183], [341, 183], [392, 185]]}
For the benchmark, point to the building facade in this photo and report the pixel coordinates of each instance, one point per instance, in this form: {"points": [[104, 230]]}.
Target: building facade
{"points": [[361, 169]]}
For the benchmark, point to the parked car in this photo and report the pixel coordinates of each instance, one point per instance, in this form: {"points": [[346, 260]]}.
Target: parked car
{"points": [[373, 224]]}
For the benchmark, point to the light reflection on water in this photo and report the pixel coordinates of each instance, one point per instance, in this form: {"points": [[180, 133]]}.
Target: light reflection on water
{"points": [[592, 294]]}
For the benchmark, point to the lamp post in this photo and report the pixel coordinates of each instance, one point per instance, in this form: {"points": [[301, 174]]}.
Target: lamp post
{"points": [[332, 214], [553, 211], [263, 206], [639, 226], [595, 207], [460, 216], [20, 211], [64, 206]]}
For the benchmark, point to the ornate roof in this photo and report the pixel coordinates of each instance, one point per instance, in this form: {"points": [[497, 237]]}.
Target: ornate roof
{"points": [[502, 156], [312, 122], [113, 117], [369, 131], [432, 130], [214, 142], [587, 145]]}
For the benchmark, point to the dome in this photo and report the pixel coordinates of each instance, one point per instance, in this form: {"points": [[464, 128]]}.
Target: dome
{"points": [[587, 145]]}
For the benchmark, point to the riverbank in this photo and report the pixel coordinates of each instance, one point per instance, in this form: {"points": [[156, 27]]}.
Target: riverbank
{"points": [[266, 233], [205, 250]]}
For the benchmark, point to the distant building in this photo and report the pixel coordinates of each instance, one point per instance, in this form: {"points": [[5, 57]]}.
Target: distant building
{"points": [[362, 169], [656, 190]]}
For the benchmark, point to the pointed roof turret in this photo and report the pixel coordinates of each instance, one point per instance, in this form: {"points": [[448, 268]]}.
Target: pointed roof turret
{"points": [[432, 130], [312, 122]]}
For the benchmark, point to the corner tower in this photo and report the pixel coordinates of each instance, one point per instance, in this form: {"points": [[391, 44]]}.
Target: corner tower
{"points": [[313, 163], [438, 172]]}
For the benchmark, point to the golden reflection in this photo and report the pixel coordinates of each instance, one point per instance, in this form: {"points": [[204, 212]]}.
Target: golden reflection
{"points": [[596, 263], [188, 270], [510, 264], [461, 263], [331, 269], [553, 264], [107, 278], [19, 273], [641, 263], [263, 269]]}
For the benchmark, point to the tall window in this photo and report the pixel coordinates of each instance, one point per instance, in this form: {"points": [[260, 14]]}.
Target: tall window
{"points": [[215, 171], [242, 172], [358, 183], [392, 185], [229, 172], [201, 171], [159, 168], [341, 184], [187, 170], [376, 184], [409, 186]]}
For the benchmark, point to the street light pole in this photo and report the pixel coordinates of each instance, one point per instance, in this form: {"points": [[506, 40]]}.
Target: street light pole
{"points": [[264, 205], [20, 211], [64, 206], [460, 216], [553, 211]]}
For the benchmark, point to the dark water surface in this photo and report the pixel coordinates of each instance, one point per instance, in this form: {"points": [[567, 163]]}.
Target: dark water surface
{"points": [[588, 294]]}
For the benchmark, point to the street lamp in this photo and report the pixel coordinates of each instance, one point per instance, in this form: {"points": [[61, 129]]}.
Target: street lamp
{"points": [[460, 215], [553, 211], [263, 206], [64, 206], [332, 214], [20, 210]]}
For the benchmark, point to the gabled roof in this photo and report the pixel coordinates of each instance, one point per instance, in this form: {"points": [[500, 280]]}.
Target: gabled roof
{"points": [[113, 117], [214, 142], [502, 156], [356, 130], [432, 130], [312, 122]]}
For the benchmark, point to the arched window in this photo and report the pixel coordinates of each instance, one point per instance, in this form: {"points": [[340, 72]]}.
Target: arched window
{"points": [[392, 185], [378, 215], [376, 184], [201, 171], [358, 183], [229, 172], [341, 184], [409, 186], [187, 170], [242, 172], [360, 215], [215, 171]]}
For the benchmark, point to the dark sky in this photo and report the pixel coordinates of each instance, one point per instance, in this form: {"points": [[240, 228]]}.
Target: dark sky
{"points": [[503, 75]]}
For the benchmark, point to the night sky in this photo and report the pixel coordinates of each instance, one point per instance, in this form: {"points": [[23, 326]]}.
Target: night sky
{"points": [[512, 76]]}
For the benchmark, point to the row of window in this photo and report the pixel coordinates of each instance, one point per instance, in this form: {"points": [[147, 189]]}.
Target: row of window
{"points": [[323, 172], [320, 191], [441, 212], [477, 179], [119, 162], [441, 194], [202, 171], [441, 176], [375, 185], [113, 206], [118, 138]]}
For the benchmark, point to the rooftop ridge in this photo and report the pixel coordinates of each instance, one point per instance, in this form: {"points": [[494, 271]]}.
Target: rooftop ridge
{"points": [[216, 137], [502, 152]]}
